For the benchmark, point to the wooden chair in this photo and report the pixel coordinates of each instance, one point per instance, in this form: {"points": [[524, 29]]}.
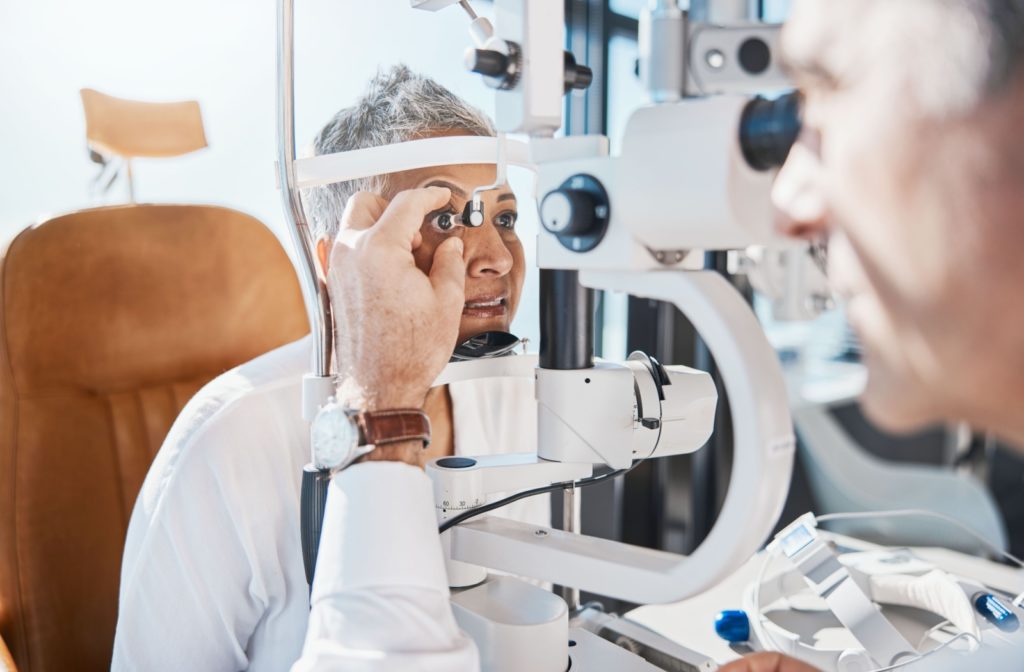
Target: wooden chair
{"points": [[128, 129]]}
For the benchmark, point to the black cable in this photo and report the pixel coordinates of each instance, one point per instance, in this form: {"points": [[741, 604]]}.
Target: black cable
{"points": [[554, 487]]}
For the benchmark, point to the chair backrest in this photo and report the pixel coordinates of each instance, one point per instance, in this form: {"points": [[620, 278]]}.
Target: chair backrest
{"points": [[110, 320], [131, 128]]}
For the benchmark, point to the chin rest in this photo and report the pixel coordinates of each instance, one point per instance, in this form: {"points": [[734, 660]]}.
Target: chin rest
{"points": [[110, 320]]}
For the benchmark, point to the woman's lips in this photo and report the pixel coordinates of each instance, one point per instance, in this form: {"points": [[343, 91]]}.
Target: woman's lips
{"points": [[486, 307]]}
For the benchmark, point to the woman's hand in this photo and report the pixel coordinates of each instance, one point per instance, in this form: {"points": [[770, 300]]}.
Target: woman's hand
{"points": [[394, 326], [768, 662]]}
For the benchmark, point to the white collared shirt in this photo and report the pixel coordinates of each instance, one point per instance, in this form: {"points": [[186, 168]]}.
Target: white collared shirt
{"points": [[212, 577]]}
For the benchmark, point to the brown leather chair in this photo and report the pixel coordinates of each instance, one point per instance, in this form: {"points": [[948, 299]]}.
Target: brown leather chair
{"points": [[6, 662], [110, 320]]}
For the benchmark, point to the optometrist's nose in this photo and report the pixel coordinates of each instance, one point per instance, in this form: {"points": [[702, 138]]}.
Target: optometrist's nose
{"points": [[486, 252], [798, 195]]}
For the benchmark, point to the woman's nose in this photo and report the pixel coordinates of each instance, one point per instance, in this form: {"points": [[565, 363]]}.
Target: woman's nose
{"points": [[486, 252], [798, 195]]}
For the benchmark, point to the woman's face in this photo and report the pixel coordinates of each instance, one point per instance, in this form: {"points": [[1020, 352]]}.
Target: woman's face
{"points": [[495, 264]]}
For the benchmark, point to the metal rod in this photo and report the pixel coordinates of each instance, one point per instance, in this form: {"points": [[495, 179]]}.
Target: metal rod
{"points": [[311, 275], [469, 9], [131, 180], [566, 321], [572, 521]]}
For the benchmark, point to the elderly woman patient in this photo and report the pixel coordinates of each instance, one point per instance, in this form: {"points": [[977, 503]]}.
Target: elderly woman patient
{"points": [[212, 577]]}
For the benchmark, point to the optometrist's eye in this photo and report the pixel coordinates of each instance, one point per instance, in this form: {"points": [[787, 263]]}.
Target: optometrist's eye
{"points": [[506, 220], [444, 221]]}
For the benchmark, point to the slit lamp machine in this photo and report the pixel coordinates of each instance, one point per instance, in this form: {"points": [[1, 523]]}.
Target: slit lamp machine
{"points": [[693, 175]]}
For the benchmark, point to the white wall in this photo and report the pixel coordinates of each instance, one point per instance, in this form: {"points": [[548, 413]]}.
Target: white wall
{"points": [[220, 52]]}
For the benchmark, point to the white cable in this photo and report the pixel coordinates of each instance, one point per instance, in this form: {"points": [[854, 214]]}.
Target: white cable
{"points": [[910, 513], [940, 647], [931, 631]]}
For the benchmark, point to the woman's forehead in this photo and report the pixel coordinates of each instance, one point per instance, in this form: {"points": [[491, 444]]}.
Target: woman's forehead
{"points": [[460, 179]]}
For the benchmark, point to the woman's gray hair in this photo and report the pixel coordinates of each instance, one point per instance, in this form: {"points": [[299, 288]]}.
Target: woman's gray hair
{"points": [[398, 105]]}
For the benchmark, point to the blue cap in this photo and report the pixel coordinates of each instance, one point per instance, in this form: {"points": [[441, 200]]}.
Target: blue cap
{"points": [[733, 626], [995, 612]]}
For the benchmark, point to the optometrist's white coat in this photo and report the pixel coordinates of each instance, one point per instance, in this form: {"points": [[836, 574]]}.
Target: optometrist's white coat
{"points": [[387, 607], [212, 577]]}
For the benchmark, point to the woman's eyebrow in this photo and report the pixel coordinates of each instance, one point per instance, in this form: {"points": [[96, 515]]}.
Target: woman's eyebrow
{"points": [[507, 196], [457, 192]]}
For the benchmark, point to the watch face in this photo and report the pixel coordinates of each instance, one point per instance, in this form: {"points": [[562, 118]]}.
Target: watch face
{"points": [[334, 435]]}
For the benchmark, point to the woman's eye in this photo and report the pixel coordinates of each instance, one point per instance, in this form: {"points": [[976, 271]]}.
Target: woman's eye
{"points": [[506, 220], [444, 221]]}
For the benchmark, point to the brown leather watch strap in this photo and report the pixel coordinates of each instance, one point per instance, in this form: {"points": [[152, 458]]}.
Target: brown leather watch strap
{"points": [[379, 428]]}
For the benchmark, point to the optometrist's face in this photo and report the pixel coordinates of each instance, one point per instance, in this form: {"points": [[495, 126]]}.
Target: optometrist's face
{"points": [[495, 264], [911, 179]]}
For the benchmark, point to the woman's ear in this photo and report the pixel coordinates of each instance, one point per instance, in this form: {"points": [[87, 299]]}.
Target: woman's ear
{"points": [[323, 252]]}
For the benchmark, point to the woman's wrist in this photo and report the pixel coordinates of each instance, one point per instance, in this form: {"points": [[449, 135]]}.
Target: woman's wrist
{"points": [[409, 452]]}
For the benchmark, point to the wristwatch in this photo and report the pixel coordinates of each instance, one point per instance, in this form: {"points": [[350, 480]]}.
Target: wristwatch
{"points": [[341, 435]]}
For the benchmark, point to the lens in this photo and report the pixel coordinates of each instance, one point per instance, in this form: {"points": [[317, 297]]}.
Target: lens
{"points": [[755, 56], [768, 129]]}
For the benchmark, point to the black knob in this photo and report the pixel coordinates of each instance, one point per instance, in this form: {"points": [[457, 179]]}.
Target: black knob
{"points": [[576, 76], [487, 62], [456, 462], [569, 212]]}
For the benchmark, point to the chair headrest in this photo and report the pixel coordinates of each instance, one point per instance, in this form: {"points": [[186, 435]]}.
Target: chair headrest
{"points": [[111, 298]]}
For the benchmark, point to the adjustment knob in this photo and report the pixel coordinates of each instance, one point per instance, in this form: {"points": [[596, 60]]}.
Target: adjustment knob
{"points": [[577, 212], [576, 76], [500, 70], [568, 212], [487, 62]]}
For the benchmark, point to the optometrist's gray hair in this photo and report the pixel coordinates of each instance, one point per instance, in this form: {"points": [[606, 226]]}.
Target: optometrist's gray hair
{"points": [[398, 105], [1004, 20]]}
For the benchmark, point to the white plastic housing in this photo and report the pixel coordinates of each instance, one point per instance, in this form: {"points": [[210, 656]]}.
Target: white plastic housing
{"points": [[691, 150], [534, 105], [688, 412], [720, 45], [586, 415], [680, 183], [516, 625], [759, 482]]}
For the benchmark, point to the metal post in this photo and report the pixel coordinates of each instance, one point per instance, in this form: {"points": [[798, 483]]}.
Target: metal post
{"points": [[131, 180], [572, 521], [313, 493], [311, 276], [566, 342], [566, 321]]}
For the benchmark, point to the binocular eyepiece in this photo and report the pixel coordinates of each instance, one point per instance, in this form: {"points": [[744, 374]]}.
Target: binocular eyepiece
{"points": [[768, 129]]}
